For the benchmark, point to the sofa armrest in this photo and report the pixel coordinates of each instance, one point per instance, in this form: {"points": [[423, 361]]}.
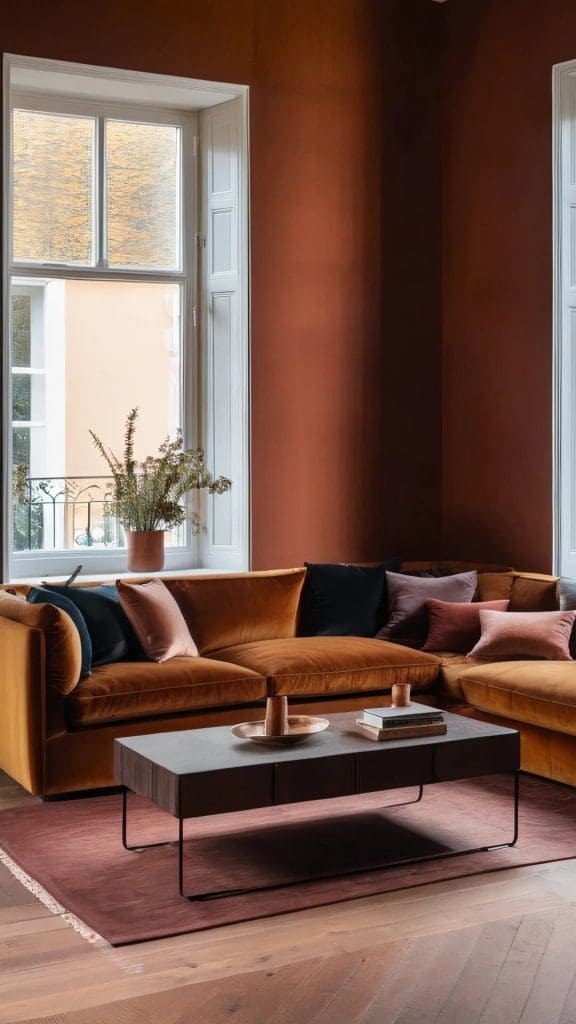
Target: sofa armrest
{"points": [[23, 704]]}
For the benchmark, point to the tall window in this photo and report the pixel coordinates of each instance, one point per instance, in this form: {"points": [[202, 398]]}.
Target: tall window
{"points": [[103, 200], [126, 284]]}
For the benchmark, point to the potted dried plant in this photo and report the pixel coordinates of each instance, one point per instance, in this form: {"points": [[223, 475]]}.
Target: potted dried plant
{"points": [[148, 497]]}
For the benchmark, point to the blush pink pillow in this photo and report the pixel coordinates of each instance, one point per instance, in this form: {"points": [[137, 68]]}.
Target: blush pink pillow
{"points": [[456, 627], [156, 620], [524, 635]]}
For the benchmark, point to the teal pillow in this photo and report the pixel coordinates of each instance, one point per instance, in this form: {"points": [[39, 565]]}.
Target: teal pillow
{"points": [[111, 635], [37, 596]]}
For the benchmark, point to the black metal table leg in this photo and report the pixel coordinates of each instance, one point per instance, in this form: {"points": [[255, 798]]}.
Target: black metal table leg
{"points": [[221, 893], [139, 846], [181, 856], [405, 803]]}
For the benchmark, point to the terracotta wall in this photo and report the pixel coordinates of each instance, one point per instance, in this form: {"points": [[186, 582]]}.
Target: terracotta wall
{"points": [[497, 275], [345, 242]]}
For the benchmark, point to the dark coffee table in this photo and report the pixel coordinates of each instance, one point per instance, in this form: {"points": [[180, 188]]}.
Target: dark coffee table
{"points": [[208, 771]]}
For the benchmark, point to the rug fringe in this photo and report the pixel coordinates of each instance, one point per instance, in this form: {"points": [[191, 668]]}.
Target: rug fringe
{"points": [[56, 908]]}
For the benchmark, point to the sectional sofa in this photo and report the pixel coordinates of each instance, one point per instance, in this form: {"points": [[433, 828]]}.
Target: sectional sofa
{"points": [[57, 734]]}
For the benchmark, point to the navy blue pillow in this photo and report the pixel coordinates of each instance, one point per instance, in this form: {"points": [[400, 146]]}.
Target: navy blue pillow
{"points": [[37, 596], [111, 634], [344, 600]]}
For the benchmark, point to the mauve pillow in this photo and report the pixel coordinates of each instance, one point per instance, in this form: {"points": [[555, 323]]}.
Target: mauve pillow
{"points": [[156, 620], [524, 635], [456, 627], [407, 596]]}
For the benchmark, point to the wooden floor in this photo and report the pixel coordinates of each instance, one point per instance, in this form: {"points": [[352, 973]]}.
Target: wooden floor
{"points": [[499, 948]]}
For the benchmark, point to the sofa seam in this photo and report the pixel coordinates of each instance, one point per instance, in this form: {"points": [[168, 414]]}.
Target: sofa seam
{"points": [[503, 689], [339, 671], [124, 693]]}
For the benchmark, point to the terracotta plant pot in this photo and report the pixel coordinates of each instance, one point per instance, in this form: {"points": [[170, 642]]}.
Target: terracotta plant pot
{"points": [[145, 550]]}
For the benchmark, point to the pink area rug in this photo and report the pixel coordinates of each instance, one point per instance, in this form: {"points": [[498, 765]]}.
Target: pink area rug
{"points": [[73, 849]]}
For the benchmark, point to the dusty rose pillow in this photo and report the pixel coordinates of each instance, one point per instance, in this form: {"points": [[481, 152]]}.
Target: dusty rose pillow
{"points": [[407, 596], [456, 627], [524, 635], [156, 620]]}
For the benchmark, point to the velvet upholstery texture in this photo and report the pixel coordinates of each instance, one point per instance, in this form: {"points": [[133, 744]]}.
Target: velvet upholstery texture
{"points": [[452, 669], [524, 635], [407, 596], [23, 712], [62, 642], [157, 620], [456, 627], [315, 666], [111, 635], [37, 595], [494, 586], [344, 600], [139, 689], [534, 594], [525, 691], [544, 751], [229, 610]]}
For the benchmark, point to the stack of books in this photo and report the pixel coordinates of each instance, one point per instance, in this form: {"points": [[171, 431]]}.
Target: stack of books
{"points": [[402, 723]]}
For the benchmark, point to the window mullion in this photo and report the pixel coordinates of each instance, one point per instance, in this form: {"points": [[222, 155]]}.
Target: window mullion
{"points": [[101, 253]]}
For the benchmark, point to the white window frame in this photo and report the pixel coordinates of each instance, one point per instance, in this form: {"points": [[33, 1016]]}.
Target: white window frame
{"points": [[191, 97], [564, 308]]}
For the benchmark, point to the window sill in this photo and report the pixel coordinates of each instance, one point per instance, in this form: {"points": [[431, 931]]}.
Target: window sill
{"points": [[111, 577]]}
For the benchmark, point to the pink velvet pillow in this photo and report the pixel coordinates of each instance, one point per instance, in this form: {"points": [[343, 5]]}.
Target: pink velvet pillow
{"points": [[456, 627], [156, 620], [524, 635]]}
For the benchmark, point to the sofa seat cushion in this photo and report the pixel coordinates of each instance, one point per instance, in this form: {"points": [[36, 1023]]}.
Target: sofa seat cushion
{"points": [[137, 689], [539, 693], [314, 666], [453, 665]]}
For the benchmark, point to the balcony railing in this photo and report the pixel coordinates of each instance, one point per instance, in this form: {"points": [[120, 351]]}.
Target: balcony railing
{"points": [[63, 513]]}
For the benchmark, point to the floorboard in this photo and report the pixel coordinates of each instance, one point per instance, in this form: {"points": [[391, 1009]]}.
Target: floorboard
{"points": [[491, 949]]}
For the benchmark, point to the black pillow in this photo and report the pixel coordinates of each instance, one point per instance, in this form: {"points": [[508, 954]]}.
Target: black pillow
{"points": [[112, 636], [344, 600]]}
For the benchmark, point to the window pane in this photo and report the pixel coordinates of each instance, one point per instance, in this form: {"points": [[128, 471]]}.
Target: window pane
{"points": [[53, 186], [21, 397], [142, 184], [108, 346], [21, 446], [21, 333]]}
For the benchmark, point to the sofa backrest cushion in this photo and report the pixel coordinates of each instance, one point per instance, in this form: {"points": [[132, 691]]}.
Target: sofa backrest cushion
{"points": [[222, 611], [534, 593], [62, 642], [494, 586]]}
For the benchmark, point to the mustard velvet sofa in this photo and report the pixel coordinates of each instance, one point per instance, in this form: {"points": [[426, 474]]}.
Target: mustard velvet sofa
{"points": [[57, 735], [57, 738]]}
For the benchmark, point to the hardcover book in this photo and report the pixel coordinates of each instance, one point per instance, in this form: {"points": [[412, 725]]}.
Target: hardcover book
{"points": [[414, 714]]}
